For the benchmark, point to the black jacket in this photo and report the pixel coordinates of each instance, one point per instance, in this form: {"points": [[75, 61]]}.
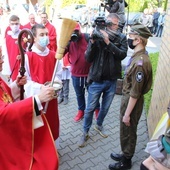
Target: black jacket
{"points": [[102, 55]]}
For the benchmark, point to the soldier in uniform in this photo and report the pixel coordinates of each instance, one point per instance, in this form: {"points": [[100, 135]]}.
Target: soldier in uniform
{"points": [[137, 82]]}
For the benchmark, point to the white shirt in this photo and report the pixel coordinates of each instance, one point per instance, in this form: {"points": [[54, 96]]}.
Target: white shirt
{"points": [[32, 88]]}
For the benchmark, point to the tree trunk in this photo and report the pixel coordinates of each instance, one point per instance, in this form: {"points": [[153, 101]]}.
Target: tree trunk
{"points": [[159, 3]]}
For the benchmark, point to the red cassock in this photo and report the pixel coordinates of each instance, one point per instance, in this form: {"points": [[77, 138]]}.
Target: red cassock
{"points": [[41, 71], [22, 147], [13, 52], [52, 37], [28, 25], [9, 29]]}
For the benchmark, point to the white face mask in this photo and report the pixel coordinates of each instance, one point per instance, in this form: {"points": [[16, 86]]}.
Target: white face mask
{"points": [[43, 41], [15, 28]]}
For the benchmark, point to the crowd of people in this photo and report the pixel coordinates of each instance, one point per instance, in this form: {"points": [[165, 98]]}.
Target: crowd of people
{"points": [[154, 20], [93, 62]]}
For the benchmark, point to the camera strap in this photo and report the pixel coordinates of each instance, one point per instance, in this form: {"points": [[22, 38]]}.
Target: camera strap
{"points": [[86, 36]]}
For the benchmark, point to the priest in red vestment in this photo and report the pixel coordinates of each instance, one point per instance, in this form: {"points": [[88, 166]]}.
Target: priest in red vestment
{"points": [[26, 139], [31, 22], [39, 65], [51, 32], [12, 63]]}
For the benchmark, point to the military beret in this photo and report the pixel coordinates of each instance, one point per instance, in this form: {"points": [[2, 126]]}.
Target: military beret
{"points": [[140, 30]]}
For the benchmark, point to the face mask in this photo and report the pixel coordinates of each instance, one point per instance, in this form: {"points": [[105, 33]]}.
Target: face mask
{"points": [[43, 41], [143, 167], [130, 43], [15, 28]]}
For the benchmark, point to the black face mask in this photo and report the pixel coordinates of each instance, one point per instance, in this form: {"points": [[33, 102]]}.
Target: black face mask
{"points": [[130, 43], [143, 167]]}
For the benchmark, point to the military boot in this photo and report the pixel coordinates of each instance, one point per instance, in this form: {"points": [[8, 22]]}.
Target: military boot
{"points": [[123, 164]]}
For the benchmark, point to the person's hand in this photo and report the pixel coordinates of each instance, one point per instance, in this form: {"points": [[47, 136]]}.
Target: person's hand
{"points": [[64, 68], [102, 4], [46, 94], [126, 120], [105, 37], [92, 41], [21, 80]]}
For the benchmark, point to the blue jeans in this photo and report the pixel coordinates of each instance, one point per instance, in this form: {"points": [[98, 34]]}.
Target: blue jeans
{"points": [[79, 84], [95, 90], [159, 31], [64, 92]]}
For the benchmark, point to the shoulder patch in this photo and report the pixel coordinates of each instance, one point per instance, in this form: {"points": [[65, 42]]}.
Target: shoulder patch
{"points": [[139, 76], [140, 63]]}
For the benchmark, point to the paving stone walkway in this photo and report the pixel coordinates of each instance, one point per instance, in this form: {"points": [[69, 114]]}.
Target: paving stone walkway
{"points": [[96, 155]]}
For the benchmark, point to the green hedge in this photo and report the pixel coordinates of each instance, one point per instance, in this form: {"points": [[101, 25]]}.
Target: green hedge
{"points": [[147, 97]]}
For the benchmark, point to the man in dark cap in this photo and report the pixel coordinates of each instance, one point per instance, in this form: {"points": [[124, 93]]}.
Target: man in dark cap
{"points": [[137, 82]]}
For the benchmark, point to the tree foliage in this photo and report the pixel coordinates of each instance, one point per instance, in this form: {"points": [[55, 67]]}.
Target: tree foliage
{"points": [[142, 4], [48, 2], [165, 5], [154, 61], [133, 5], [70, 2]]}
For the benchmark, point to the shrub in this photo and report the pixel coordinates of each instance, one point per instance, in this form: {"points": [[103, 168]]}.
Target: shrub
{"points": [[147, 97]]}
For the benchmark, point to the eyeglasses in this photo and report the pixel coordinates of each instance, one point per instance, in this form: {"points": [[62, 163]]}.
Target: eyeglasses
{"points": [[109, 23]]}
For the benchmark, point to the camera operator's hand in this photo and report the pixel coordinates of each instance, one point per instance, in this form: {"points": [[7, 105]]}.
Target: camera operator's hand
{"points": [[105, 37], [102, 5]]}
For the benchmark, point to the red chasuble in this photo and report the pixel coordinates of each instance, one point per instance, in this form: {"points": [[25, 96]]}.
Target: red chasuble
{"points": [[22, 147], [52, 37], [41, 71], [28, 26]]}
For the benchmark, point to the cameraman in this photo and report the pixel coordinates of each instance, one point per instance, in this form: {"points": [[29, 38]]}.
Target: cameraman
{"points": [[105, 57], [118, 7]]}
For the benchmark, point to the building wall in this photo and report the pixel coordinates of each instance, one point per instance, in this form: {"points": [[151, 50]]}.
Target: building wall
{"points": [[161, 89]]}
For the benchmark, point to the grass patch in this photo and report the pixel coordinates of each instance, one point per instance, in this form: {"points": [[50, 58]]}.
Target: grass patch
{"points": [[147, 97]]}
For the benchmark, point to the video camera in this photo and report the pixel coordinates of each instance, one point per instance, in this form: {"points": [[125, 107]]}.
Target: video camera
{"points": [[107, 2], [75, 36], [111, 2], [99, 24]]}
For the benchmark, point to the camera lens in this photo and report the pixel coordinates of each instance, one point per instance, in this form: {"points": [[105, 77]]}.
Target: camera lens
{"points": [[74, 37]]}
